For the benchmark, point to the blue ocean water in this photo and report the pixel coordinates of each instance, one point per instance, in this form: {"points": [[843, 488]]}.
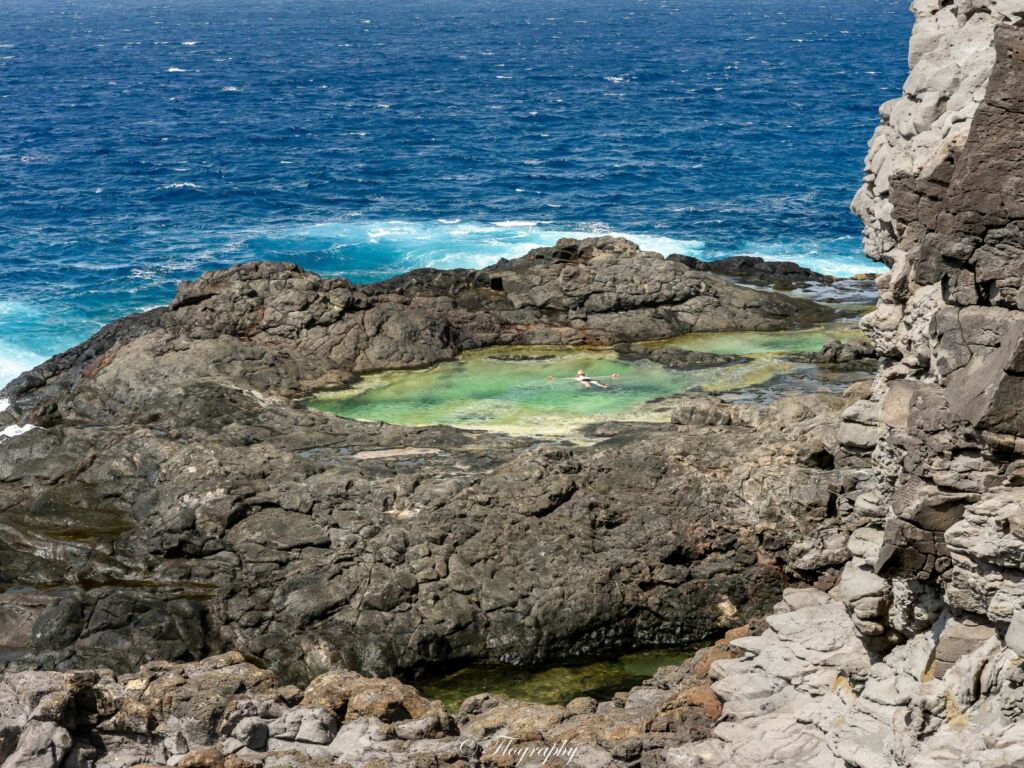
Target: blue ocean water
{"points": [[144, 141]]}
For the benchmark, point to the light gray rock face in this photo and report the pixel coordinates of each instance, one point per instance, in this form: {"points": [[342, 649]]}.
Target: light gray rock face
{"points": [[950, 57], [943, 480], [807, 694]]}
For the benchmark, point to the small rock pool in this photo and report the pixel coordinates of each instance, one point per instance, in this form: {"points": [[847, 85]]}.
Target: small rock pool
{"points": [[552, 684], [532, 389]]}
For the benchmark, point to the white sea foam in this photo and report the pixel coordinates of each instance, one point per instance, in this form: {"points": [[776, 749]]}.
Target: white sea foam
{"points": [[515, 223], [190, 43], [181, 185], [231, 89], [616, 78], [390, 246], [15, 359], [176, 69], [839, 257], [14, 362], [4, 404]]}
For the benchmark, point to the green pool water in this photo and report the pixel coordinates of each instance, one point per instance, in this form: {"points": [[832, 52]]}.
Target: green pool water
{"points": [[559, 684], [532, 389]]}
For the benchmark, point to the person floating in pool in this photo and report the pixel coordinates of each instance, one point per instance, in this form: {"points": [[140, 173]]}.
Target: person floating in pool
{"points": [[589, 382]]}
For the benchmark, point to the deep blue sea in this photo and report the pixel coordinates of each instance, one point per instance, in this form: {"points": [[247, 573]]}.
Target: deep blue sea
{"points": [[142, 142]]}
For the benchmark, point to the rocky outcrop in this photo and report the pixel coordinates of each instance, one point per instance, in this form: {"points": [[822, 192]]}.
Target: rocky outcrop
{"points": [[174, 500], [279, 330], [674, 357], [311, 542], [849, 354], [754, 270], [946, 410]]}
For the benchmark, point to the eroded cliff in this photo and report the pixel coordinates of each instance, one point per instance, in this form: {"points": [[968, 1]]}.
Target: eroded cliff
{"points": [[915, 658]]}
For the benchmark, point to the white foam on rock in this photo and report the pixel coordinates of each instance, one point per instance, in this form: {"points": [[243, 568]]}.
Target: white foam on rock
{"points": [[14, 430]]}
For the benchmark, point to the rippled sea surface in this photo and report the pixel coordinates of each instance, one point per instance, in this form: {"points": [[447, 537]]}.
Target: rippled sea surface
{"points": [[144, 142]]}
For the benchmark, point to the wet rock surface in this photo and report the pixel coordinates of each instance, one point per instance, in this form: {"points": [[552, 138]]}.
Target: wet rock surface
{"points": [[756, 271], [673, 357], [845, 354]]}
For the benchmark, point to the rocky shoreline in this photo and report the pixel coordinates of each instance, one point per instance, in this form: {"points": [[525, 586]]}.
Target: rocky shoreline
{"points": [[230, 517], [172, 501], [240, 575], [226, 712]]}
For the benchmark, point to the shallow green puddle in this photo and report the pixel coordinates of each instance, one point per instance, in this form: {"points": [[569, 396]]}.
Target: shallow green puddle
{"points": [[600, 679], [532, 389]]}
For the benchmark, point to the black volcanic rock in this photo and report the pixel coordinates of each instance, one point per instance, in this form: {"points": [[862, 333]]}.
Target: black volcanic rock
{"points": [[229, 517], [758, 271], [286, 331], [842, 353]]}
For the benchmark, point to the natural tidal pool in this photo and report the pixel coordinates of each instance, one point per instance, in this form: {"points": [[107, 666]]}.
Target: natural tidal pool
{"points": [[597, 678], [532, 389]]}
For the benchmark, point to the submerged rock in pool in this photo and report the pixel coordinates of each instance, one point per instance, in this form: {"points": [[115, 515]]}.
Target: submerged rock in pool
{"points": [[673, 357]]}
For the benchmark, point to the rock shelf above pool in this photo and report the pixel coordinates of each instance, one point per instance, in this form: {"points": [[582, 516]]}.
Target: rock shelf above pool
{"points": [[531, 390]]}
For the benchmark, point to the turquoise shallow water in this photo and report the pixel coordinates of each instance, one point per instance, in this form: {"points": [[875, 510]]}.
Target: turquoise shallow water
{"points": [[144, 141], [533, 390]]}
